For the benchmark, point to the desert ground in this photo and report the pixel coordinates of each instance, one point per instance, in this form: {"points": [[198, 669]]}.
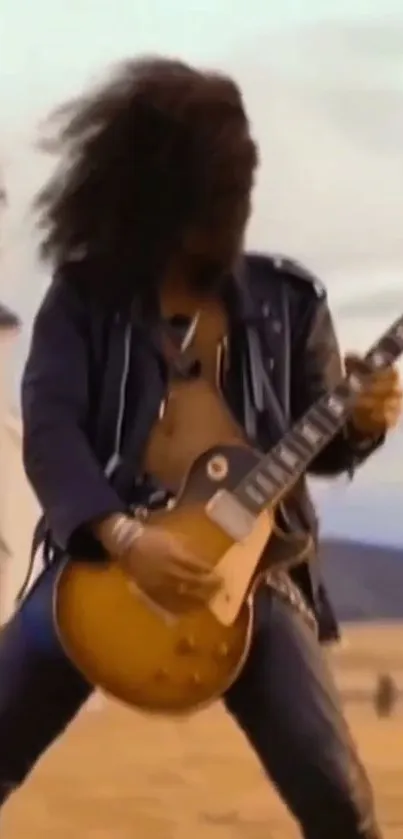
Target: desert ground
{"points": [[118, 774]]}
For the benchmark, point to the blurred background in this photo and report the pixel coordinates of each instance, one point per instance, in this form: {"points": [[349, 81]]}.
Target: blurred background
{"points": [[323, 83]]}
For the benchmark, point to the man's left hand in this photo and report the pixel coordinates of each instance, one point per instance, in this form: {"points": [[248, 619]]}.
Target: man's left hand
{"points": [[379, 406]]}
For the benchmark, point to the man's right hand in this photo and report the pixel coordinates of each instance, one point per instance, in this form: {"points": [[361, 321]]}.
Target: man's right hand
{"points": [[165, 570], [168, 573]]}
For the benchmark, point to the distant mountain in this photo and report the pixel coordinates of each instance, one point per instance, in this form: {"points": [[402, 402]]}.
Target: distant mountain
{"points": [[365, 582], [370, 508]]}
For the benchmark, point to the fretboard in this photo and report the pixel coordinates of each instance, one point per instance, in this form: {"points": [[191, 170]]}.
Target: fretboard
{"points": [[279, 470]]}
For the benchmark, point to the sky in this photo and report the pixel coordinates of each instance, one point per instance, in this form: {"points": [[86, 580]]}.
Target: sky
{"points": [[55, 34], [51, 47], [323, 83]]}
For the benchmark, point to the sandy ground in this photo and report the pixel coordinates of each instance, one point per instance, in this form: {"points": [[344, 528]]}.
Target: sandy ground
{"points": [[117, 774]]}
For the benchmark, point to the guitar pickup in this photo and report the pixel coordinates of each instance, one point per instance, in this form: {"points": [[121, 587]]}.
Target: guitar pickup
{"points": [[230, 515]]}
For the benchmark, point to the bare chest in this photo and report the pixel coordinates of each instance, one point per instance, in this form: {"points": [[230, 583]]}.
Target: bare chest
{"points": [[194, 417]]}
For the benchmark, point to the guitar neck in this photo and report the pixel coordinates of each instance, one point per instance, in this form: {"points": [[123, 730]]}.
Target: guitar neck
{"points": [[279, 470]]}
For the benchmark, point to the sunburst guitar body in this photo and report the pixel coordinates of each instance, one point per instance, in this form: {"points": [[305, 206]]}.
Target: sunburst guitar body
{"points": [[152, 660]]}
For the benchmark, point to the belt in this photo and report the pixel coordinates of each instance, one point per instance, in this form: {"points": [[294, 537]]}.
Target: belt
{"points": [[280, 582]]}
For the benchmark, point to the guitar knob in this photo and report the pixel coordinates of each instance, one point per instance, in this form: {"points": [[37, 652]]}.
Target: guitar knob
{"points": [[223, 650], [186, 645]]}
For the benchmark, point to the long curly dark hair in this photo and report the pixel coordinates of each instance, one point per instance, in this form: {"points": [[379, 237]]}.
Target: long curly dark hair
{"points": [[157, 150]]}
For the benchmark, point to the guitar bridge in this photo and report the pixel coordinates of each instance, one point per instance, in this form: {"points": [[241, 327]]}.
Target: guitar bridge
{"points": [[230, 515]]}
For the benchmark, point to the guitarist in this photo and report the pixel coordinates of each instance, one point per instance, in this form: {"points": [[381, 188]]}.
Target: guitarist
{"points": [[144, 223]]}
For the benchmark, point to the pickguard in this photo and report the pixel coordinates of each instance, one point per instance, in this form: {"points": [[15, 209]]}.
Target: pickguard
{"points": [[237, 569]]}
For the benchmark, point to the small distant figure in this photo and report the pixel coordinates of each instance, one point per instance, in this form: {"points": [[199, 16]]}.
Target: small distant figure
{"points": [[386, 695]]}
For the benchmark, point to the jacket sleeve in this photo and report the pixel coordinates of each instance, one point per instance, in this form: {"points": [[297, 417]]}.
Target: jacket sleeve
{"points": [[316, 369], [58, 459]]}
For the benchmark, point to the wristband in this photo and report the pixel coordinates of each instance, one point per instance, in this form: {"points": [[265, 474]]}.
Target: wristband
{"points": [[125, 531]]}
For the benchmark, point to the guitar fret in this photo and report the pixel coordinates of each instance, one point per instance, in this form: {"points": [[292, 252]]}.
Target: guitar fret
{"points": [[333, 406], [300, 454], [298, 443], [380, 358], [396, 336], [385, 351], [286, 456], [275, 475], [265, 483], [252, 506], [276, 470], [309, 434], [323, 422], [254, 494], [283, 465], [392, 347], [391, 344]]}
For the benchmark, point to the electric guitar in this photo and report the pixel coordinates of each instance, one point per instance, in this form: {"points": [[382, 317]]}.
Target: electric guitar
{"points": [[158, 662]]}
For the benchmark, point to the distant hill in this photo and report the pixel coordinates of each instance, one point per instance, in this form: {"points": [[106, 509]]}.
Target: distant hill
{"points": [[369, 508], [365, 582]]}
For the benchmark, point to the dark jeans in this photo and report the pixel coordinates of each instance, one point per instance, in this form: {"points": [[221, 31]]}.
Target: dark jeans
{"points": [[284, 701]]}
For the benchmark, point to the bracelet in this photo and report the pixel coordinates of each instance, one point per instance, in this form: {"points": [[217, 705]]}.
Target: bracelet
{"points": [[125, 531]]}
